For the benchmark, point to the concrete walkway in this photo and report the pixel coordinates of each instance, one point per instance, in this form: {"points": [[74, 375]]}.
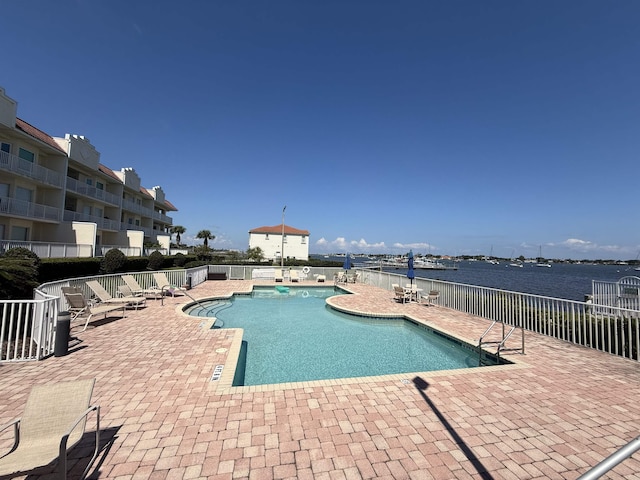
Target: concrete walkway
{"points": [[555, 413]]}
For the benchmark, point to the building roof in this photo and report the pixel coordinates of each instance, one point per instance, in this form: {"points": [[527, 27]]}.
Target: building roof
{"points": [[109, 172], [38, 134], [277, 229]]}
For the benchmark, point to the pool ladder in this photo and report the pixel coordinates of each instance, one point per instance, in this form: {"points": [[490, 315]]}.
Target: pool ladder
{"points": [[500, 344]]}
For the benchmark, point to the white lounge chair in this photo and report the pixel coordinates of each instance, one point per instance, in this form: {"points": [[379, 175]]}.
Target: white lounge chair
{"points": [[106, 298], [137, 289], [162, 282], [54, 420], [277, 276], [293, 275], [433, 297], [79, 308]]}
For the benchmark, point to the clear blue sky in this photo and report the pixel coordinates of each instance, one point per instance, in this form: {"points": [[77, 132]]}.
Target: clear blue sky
{"points": [[450, 127]]}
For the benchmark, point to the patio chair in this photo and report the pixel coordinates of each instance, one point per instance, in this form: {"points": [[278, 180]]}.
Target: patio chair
{"points": [[53, 422], [352, 278], [79, 308], [163, 283], [136, 289], [277, 276], [433, 297], [294, 276], [402, 294], [106, 298]]}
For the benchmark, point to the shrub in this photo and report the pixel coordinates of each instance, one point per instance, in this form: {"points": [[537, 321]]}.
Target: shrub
{"points": [[156, 261], [24, 253], [113, 261], [195, 263], [179, 260]]}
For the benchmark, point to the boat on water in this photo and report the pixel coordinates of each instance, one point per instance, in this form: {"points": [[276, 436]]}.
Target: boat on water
{"points": [[516, 264], [540, 262], [427, 264]]}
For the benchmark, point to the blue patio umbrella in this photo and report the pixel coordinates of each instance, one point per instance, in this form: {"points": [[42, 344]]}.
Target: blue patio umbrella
{"points": [[347, 262], [410, 273]]}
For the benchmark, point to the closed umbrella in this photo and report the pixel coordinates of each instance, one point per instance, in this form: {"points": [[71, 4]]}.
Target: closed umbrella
{"points": [[410, 273], [347, 262]]}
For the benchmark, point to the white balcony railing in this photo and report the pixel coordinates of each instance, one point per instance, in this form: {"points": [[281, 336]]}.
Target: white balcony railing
{"points": [[34, 211], [103, 223], [50, 250], [92, 192], [15, 164]]}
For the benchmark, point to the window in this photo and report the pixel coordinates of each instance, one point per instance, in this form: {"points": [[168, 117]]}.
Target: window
{"points": [[26, 155], [130, 222], [20, 233], [87, 210], [100, 185], [23, 194], [284, 239], [266, 236], [89, 181], [304, 239], [137, 223], [5, 147]]}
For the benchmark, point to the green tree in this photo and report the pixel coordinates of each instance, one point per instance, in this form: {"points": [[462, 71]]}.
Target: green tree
{"points": [[255, 254], [177, 230], [206, 236]]}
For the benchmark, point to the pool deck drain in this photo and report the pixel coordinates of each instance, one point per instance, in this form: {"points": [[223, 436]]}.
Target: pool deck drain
{"points": [[558, 412]]}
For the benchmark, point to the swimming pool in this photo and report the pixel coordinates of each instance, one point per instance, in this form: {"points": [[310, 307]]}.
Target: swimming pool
{"points": [[294, 336]]}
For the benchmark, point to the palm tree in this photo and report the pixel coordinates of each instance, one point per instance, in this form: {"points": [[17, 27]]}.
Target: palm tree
{"points": [[206, 235], [178, 230]]}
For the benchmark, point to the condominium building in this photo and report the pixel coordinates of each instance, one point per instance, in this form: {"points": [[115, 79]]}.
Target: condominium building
{"points": [[57, 199], [273, 240]]}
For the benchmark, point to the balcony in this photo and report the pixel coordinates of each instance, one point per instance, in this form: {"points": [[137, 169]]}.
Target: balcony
{"points": [[14, 164], [74, 185], [162, 218], [102, 223], [130, 206], [30, 210]]}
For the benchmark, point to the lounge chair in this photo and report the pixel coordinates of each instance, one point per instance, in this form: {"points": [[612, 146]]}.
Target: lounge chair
{"points": [[163, 283], [277, 276], [136, 289], [53, 421], [79, 308], [339, 277], [106, 298], [293, 275], [321, 278], [402, 294], [352, 278], [125, 292]]}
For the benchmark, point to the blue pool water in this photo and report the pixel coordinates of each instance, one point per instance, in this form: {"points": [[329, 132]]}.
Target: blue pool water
{"points": [[293, 336]]}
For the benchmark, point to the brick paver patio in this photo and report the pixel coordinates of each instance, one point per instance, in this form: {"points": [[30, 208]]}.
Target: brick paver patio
{"points": [[559, 411]]}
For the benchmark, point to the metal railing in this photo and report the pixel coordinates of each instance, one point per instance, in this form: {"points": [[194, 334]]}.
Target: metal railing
{"points": [[612, 460], [27, 328], [76, 186], [614, 330], [15, 164], [21, 208]]}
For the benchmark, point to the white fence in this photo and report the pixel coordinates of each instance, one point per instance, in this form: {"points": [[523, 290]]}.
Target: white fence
{"points": [[27, 328], [610, 328]]}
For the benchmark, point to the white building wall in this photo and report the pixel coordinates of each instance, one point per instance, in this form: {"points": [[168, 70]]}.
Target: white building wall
{"points": [[295, 246]]}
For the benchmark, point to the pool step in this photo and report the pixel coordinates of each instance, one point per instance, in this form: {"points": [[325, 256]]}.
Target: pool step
{"points": [[211, 309]]}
